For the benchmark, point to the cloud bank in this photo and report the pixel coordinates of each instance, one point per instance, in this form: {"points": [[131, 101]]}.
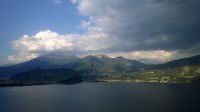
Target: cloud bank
{"points": [[152, 31]]}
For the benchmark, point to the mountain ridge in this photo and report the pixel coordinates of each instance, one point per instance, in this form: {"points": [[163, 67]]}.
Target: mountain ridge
{"points": [[97, 64], [58, 61], [194, 60]]}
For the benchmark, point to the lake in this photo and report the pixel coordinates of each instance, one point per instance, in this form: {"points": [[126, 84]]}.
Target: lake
{"points": [[102, 97]]}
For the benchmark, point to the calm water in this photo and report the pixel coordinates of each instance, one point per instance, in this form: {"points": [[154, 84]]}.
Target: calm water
{"points": [[102, 97]]}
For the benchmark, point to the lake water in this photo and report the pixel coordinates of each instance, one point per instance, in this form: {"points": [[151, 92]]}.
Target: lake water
{"points": [[102, 97]]}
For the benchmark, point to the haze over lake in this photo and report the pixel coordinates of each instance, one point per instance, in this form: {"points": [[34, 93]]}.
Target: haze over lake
{"points": [[102, 97]]}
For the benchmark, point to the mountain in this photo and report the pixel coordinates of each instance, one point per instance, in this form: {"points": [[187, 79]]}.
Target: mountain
{"points": [[88, 64], [186, 70], [57, 59], [45, 61], [195, 60], [103, 64], [103, 68]]}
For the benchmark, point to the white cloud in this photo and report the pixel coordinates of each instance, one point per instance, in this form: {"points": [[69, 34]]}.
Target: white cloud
{"points": [[91, 43], [149, 57], [44, 41], [85, 24], [48, 41], [74, 1], [146, 30], [22, 57]]}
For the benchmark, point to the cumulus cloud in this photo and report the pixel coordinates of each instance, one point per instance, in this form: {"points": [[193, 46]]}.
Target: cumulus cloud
{"points": [[152, 31], [52, 42], [44, 41], [148, 57]]}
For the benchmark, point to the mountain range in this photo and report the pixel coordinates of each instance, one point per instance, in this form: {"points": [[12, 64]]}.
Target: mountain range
{"points": [[104, 68], [98, 63]]}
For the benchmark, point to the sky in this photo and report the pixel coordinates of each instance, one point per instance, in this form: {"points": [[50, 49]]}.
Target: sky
{"points": [[150, 31]]}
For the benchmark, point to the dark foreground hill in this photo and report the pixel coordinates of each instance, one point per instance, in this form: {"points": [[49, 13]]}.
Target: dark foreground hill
{"points": [[58, 75], [43, 77]]}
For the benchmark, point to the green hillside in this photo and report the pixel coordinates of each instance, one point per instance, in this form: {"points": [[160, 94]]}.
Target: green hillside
{"points": [[102, 64], [178, 74]]}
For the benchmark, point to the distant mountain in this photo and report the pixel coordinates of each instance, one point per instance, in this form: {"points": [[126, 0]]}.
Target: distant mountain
{"points": [[58, 59], [44, 62], [104, 64]]}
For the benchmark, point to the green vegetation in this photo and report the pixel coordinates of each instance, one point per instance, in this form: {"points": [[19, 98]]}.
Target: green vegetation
{"points": [[58, 69], [58, 75], [102, 63], [183, 74]]}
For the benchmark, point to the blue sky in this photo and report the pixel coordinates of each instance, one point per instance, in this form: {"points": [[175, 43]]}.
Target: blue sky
{"points": [[31, 16], [150, 31]]}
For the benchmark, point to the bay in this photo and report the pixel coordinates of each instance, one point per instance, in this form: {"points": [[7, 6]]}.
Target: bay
{"points": [[102, 97]]}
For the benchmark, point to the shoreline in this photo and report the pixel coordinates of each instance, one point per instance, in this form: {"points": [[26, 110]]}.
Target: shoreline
{"points": [[3, 85]]}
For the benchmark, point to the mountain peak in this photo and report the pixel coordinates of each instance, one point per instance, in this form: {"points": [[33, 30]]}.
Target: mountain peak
{"points": [[58, 59], [101, 56]]}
